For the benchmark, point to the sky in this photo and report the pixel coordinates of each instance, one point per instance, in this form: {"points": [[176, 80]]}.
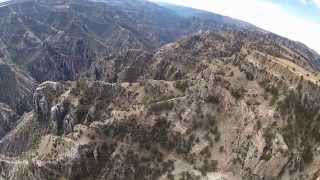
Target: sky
{"points": [[298, 20]]}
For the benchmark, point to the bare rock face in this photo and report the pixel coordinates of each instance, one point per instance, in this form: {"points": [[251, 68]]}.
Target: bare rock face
{"points": [[8, 119], [127, 66], [16, 88], [16, 93], [44, 98]]}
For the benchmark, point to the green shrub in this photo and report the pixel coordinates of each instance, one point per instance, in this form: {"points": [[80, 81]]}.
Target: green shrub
{"points": [[212, 99], [307, 154], [249, 76], [161, 106], [209, 166], [275, 94], [238, 92], [170, 176], [181, 85]]}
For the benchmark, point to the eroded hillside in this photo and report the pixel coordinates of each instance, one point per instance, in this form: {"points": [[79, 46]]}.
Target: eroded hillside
{"points": [[124, 101], [207, 106], [62, 40]]}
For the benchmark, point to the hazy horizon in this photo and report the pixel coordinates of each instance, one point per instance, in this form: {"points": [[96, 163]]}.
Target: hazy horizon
{"points": [[298, 20]]}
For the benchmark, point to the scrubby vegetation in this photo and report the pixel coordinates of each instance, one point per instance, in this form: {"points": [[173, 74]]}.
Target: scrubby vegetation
{"points": [[161, 106], [302, 119]]}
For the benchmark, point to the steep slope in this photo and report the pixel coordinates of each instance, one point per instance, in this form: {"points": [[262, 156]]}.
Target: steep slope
{"points": [[58, 40], [175, 60], [16, 88], [65, 40], [228, 43], [208, 106], [235, 102], [8, 119], [16, 91]]}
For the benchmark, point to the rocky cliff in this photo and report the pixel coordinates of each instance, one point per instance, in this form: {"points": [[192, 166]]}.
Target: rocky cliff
{"points": [[232, 103], [16, 88], [199, 111]]}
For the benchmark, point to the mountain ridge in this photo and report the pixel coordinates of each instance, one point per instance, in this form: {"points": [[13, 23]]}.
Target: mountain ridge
{"points": [[131, 90]]}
